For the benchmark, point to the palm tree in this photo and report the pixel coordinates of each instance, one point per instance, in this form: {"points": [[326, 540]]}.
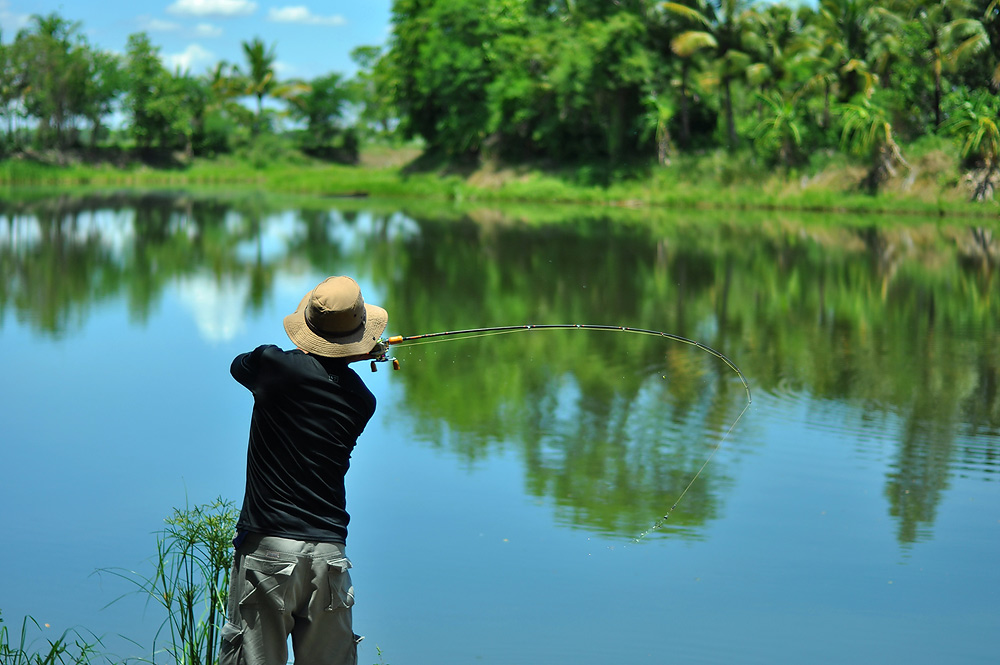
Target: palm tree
{"points": [[868, 133], [260, 79], [660, 111], [780, 127], [952, 36], [974, 123], [819, 67], [773, 41], [722, 23], [686, 45], [846, 27]]}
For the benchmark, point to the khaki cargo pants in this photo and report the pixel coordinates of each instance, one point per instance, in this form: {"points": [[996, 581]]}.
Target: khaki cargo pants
{"points": [[281, 587]]}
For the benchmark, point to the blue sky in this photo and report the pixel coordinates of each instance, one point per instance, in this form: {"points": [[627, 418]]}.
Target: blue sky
{"points": [[310, 39]]}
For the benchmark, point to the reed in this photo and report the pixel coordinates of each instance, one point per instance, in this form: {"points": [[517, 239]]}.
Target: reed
{"points": [[72, 647], [190, 581]]}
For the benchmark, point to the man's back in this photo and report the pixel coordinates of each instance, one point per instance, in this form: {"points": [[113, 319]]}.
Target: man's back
{"points": [[307, 416]]}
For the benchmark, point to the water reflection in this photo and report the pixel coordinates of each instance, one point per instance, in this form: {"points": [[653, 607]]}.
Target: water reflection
{"points": [[897, 324]]}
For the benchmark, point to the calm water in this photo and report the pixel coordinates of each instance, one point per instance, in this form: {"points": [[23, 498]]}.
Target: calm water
{"points": [[851, 515]]}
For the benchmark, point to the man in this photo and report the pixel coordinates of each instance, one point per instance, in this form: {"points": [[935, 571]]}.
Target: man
{"points": [[290, 573]]}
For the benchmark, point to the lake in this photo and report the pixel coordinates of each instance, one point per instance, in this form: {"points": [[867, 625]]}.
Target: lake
{"points": [[503, 497]]}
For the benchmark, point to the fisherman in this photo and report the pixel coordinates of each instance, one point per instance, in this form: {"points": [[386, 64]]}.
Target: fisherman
{"points": [[290, 571]]}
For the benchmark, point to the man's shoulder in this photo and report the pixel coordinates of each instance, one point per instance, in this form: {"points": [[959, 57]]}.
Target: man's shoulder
{"points": [[270, 358], [271, 354]]}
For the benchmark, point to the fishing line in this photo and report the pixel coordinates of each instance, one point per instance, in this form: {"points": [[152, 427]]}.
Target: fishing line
{"points": [[381, 352]]}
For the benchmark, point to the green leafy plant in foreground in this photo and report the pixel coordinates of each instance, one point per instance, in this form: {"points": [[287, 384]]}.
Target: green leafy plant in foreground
{"points": [[191, 580]]}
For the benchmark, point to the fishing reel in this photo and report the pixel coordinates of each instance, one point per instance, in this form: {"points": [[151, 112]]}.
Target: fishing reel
{"points": [[380, 355]]}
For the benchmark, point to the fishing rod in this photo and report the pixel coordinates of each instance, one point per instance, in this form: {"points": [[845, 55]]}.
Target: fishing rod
{"points": [[380, 354]]}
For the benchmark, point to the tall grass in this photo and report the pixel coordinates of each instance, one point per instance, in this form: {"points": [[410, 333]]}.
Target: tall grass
{"points": [[190, 580], [711, 181], [70, 648]]}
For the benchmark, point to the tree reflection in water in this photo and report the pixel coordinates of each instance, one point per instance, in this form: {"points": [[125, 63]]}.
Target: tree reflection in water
{"points": [[895, 321]]}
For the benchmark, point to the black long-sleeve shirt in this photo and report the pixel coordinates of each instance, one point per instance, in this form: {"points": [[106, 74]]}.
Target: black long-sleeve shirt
{"points": [[308, 413]]}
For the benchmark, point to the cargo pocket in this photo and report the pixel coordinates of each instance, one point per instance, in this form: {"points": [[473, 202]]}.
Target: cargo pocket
{"points": [[265, 581], [341, 587], [231, 647]]}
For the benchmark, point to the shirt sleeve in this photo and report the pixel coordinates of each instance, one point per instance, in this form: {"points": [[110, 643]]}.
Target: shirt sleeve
{"points": [[246, 366]]}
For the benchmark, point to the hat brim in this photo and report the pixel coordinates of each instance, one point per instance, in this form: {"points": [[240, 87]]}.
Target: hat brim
{"points": [[359, 343]]}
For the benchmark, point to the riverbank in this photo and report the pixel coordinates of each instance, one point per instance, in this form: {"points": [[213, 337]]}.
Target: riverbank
{"points": [[935, 184]]}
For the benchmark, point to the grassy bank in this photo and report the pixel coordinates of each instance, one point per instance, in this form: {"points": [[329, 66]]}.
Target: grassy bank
{"points": [[935, 184]]}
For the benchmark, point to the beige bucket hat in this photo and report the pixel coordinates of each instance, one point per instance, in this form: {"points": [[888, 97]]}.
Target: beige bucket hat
{"points": [[333, 320]]}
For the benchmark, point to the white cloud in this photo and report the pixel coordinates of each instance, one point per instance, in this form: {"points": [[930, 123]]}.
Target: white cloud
{"points": [[302, 14], [213, 7], [217, 305], [188, 58], [207, 30], [158, 25]]}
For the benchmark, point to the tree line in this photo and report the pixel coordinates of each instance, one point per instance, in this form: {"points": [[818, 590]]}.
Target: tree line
{"points": [[592, 79], [563, 80], [58, 91]]}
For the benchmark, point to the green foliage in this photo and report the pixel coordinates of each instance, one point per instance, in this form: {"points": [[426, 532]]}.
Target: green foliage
{"points": [[551, 83], [442, 65], [371, 92], [268, 150], [867, 133], [190, 580], [975, 122], [153, 99], [779, 133], [51, 65], [69, 648], [321, 105], [259, 79]]}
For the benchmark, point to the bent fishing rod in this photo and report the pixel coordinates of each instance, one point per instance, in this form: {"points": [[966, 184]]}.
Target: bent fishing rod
{"points": [[380, 354]]}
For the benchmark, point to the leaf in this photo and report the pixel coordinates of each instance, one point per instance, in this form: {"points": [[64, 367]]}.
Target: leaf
{"points": [[688, 43], [686, 12]]}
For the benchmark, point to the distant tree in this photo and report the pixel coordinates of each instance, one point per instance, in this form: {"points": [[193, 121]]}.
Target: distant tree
{"points": [[868, 134], [321, 105], [145, 74], [660, 113], [780, 129], [950, 34], [846, 28], [159, 104], [974, 122], [10, 93], [608, 99], [573, 86], [371, 89], [687, 44], [223, 114], [721, 25], [772, 42], [259, 76], [103, 86], [441, 65], [224, 84], [52, 62]]}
